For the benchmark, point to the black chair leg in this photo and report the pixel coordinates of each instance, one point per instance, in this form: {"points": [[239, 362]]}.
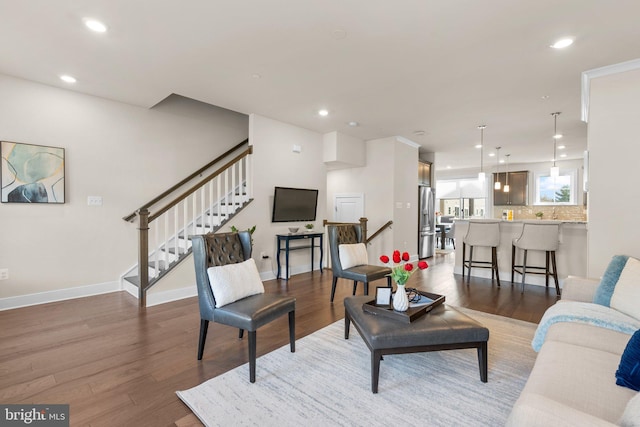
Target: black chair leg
{"points": [[355, 286], [470, 262], [524, 268], [546, 269], [240, 333], [555, 272], [366, 288], [494, 261], [292, 331], [333, 287], [464, 250], [204, 326], [513, 261], [252, 356], [389, 281]]}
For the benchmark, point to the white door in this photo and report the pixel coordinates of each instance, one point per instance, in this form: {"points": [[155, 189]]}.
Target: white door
{"points": [[348, 207]]}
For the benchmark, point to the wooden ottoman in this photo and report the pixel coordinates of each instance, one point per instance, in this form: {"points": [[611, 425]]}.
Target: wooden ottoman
{"points": [[443, 328]]}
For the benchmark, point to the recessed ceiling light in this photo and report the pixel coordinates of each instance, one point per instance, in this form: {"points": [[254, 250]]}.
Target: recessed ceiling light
{"points": [[68, 79], [353, 124], [492, 154], [557, 136], [256, 76], [478, 145], [562, 43], [323, 113], [501, 160], [561, 147], [448, 166], [95, 25], [419, 132], [544, 97], [563, 155]]}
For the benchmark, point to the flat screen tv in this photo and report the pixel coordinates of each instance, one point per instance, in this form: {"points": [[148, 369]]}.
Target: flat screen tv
{"points": [[294, 204]]}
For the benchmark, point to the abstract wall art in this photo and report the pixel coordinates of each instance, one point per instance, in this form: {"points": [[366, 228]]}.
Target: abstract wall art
{"points": [[31, 173]]}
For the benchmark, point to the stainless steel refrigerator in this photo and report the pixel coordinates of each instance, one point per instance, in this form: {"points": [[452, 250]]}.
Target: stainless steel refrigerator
{"points": [[426, 222]]}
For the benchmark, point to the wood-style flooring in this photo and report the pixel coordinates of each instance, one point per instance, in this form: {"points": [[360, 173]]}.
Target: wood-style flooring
{"points": [[117, 365]]}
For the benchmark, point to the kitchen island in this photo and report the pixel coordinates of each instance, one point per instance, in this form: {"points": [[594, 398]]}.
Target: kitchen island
{"points": [[571, 256]]}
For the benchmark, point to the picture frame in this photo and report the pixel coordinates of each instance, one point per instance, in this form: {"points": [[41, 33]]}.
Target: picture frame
{"points": [[31, 173], [383, 296]]}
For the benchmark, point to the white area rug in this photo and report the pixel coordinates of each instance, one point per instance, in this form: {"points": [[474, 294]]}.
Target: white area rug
{"points": [[326, 382]]}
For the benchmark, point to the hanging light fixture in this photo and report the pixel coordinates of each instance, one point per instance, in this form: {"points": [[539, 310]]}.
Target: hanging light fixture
{"points": [[506, 185], [555, 170], [497, 185], [481, 175]]}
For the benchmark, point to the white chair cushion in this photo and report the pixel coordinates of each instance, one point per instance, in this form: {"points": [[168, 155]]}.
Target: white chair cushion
{"points": [[352, 255], [232, 282], [627, 291]]}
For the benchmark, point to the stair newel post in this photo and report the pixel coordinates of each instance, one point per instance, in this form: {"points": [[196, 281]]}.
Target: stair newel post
{"points": [[363, 226], [143, 255]]}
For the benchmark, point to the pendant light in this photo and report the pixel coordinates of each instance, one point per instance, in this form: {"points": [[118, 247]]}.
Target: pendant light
{"points": [[555, 170], [497, 185], [481, 175], [506, 186]]}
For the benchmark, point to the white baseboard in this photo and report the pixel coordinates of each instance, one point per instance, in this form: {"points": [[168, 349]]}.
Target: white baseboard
{"points": [[156, 298], [58, 295]]}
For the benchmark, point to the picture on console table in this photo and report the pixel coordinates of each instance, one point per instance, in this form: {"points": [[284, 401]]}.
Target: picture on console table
{"points": [[31, 173]]}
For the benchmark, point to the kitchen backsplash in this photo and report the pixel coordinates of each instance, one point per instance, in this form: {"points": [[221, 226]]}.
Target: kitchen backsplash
{"points": [[563, 212]]}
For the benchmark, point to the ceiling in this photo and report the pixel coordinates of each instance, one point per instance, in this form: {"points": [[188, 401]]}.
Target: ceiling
{"points": [[442, 67]]}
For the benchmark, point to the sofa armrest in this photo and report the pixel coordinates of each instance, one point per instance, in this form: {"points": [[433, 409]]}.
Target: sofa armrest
{"points": [[534, 410], [579, 289]]}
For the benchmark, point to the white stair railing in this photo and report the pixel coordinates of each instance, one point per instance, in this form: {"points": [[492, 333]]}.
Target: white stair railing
{"points": [[164, 236]]}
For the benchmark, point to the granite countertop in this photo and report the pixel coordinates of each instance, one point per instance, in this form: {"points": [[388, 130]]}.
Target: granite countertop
{"points": [[520, 221]]}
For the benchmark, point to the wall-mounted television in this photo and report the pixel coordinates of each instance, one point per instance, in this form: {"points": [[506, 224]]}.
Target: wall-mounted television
{"points": [[294, 204]]}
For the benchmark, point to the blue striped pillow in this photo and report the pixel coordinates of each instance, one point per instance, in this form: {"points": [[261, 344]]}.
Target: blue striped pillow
{"points": [[611, 275], [628, 373]]}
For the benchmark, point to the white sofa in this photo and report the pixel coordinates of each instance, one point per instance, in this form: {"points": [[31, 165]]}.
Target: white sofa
{"points": [[573, 381]]}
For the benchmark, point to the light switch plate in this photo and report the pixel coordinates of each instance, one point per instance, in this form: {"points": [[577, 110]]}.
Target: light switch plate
{"points": [[94, 201], [4, 273]]}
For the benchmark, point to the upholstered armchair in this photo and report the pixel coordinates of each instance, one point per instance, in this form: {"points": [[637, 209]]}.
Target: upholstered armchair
{"points": [[233, 250], [361, 271]]}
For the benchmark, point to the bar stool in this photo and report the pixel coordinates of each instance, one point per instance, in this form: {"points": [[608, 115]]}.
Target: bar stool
{"points": [[537, 236], [482, 233]]}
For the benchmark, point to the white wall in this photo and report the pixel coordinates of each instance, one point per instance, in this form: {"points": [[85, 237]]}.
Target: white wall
{"points": [[123, 153], [389, 177], [614, 196], [275, 164]]}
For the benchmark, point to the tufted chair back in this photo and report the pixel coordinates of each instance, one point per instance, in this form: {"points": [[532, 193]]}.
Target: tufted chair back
{"points": [[342, 234], [211, 250]]}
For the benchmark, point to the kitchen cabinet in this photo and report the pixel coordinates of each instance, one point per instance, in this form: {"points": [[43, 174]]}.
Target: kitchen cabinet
{"points": [[424, 173], [518, 194]]}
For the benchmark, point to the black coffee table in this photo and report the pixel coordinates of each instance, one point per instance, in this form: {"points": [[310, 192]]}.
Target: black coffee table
{"points": [[443, 328]]}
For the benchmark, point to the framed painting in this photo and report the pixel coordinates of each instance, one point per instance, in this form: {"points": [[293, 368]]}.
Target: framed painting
{"points": [[31, 173]]}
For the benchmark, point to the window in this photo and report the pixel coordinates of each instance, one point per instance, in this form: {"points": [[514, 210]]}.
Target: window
{"points": [[556, 191], [462, 198]]}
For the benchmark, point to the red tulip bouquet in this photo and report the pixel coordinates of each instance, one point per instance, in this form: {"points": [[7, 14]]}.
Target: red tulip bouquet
{"points": [[402, 269]]}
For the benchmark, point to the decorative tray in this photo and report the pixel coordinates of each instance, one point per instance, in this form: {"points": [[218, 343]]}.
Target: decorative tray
{"points": [[414, 312]]}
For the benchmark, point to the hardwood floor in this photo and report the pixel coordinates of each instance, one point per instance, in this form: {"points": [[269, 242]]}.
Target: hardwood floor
{"points": [[117, 365]]}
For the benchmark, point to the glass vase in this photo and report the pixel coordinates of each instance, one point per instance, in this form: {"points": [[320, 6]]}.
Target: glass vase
{"points": [[400, 299]]}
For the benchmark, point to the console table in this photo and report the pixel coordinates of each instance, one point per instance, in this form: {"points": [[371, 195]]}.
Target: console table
{"points": [[310, 240]]}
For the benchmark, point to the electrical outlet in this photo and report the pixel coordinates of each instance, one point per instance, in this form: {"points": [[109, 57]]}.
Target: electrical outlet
{"points": [[4, 273]]}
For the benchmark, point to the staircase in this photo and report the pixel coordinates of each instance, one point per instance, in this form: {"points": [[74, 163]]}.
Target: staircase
{"points": [[194, 206]]}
